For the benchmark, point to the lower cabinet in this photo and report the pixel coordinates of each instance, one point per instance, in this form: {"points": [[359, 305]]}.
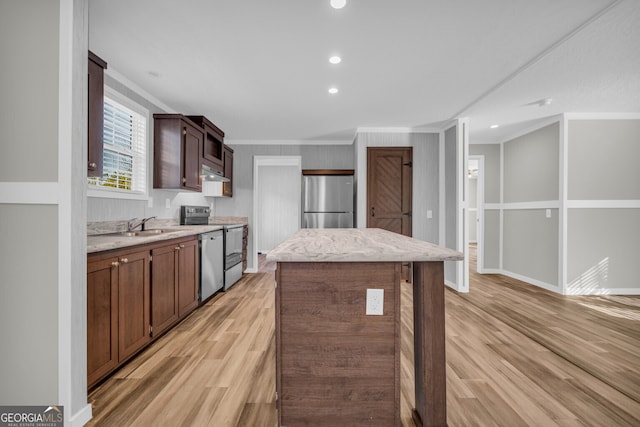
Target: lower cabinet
{"points": [[135, 294], [102, 318], [164, 289], [187, 260], [133, 303]]}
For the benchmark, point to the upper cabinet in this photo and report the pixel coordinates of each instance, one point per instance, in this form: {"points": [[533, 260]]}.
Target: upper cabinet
{"points": [[182, 145], [177, 152], [227, 187], [96, 67], [212, 143]]}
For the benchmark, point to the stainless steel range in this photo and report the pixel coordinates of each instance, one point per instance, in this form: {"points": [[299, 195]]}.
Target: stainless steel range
{"points": [[199, 215]]}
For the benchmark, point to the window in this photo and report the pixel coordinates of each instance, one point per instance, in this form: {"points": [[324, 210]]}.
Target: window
{"points": [[124, 152]]}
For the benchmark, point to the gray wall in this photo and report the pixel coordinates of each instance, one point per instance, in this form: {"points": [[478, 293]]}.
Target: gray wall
{"points": [[603, 238], [43, 143], [29, 123], [531, 244], [531, 174], [492, 239], [603, 247], [603, 160], [426, 179], [491, 153], [531, 166], [451, 201], [29, 309], [28, 153], [472, 203], [492, 191], [603, 217]]}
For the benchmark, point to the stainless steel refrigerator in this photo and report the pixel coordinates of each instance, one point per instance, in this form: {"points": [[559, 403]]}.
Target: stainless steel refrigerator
{"points": [[327, 201]]}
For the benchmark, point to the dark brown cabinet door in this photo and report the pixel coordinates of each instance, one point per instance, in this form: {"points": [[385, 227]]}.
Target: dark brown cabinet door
{"points": [[212, 143], [176, 152], [102, 318], [188, 277], [191, 158], [96, 67], [133, 303], [164, 289], [389, 191], [227, 187]]}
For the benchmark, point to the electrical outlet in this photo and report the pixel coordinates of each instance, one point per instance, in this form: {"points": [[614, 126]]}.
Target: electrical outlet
{"points": [[429, 214], [167, 203], [548, 213], [375, 302]]}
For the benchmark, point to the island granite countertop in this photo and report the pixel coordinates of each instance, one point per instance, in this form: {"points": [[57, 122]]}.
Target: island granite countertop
{"points": [[357, 245]]}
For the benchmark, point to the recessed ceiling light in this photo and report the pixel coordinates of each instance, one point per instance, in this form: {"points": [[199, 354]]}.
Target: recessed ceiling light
{"points": [[335, 59], [494, 126], [333, 90], [338, 4]]}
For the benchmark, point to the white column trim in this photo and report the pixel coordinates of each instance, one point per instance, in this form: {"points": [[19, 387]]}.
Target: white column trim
{"points": [[603, 204], [563, 174], [40, 193]]}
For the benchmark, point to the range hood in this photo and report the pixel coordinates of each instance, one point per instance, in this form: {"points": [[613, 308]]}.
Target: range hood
{"points": [[209, 174]]}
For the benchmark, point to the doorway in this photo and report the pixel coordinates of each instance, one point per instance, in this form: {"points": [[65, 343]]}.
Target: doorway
{"points": [[475, 175], [389, 191], [277, 191]]}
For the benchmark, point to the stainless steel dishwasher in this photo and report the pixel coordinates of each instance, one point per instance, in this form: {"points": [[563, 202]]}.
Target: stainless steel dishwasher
{"points": [[211, 264]]}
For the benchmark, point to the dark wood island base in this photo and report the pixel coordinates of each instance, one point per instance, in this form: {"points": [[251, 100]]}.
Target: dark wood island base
{"points": [[336, 365]]}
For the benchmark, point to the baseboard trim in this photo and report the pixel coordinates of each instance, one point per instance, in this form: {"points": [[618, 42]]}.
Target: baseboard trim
{"points": [[81, 417]]}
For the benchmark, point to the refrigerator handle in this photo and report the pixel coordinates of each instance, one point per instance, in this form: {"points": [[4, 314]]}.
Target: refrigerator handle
{"points": [[373, 211]]}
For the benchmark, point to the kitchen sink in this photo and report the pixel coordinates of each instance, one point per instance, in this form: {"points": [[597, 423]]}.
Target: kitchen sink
{"points": [[153, 231], [150, 232]]}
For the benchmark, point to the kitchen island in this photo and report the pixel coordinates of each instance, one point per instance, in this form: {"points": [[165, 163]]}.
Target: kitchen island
{"points": [[338, 328]]}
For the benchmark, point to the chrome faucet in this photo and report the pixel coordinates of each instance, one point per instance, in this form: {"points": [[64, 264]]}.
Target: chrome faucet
{"points": [[131, 224]]}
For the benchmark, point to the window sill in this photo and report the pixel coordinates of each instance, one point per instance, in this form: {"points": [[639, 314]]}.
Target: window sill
{"points": [[116, 194]]}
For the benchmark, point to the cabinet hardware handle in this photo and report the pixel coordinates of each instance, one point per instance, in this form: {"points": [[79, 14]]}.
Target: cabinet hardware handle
{"points": [[124, 260], [184, 180], [115, 264], [92, 165], [177, 248], [181, 246], [373, 211], [184, 131]]}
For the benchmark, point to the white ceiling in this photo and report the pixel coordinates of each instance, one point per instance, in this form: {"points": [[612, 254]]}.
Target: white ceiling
{"points": [[260, 71]]}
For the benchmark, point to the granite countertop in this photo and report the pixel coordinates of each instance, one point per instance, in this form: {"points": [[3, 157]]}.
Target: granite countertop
{"points": [[357, 245], [105, 242], [102, 235]]}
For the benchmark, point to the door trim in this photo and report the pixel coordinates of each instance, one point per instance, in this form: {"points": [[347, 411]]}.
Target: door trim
{"points": [[258, 161]]}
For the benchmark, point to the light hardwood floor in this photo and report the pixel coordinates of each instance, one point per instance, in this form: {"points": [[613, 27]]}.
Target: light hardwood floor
{"points": [[516, 355]]}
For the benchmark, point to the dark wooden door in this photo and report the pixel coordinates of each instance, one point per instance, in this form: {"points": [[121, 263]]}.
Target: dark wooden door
{"points": [[389, 189]]}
